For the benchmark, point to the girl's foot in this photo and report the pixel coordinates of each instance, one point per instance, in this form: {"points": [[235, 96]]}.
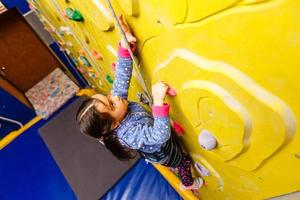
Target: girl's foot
{"points": [[198, 182]]}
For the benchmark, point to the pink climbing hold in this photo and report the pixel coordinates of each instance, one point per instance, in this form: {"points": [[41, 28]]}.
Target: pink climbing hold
{"points": [[133, 47], [81, 69], [171, 92], [31, 7], [178, 128], [113, 66]]}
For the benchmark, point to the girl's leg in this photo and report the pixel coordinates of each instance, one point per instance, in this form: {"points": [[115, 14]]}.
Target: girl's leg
{"points": [[184, 171]]}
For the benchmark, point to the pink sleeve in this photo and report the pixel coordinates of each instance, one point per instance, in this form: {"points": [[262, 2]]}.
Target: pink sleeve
{"points": [[161, 111], [124, 53]]}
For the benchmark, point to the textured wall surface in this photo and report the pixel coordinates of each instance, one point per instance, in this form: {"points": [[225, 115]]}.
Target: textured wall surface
{"points": [[235, 67]]}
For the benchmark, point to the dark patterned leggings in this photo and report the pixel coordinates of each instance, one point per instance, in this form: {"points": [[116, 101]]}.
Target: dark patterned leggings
{"points": [[184, 171]]}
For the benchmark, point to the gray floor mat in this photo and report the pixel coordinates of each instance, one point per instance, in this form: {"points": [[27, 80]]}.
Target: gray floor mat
{"points": [[89, 167]]}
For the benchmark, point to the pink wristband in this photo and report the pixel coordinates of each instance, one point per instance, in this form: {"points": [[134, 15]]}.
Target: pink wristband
{"points": [[124, 53], [161, 111]]}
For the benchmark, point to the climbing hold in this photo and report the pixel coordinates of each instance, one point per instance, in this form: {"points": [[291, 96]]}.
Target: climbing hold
{"points": [[171, 92], [53, 29], [64, 14], [69, 44], [207, 140], [81, 69], [201, 169], [96, 55], [58, 18], [87, 40], [81, 52], [84, 61], [179, 130], [65, 29], [74, 60], [48, 29], [68, 51], [113, 66], [42, 19], [92, 75], [133, 47], [109, 79], [74, 15], [31, 6], [61, 44], [59, 33]]}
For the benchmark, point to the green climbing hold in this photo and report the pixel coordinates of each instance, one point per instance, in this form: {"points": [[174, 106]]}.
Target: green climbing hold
{"points": [[109, 79], [74, 15]]}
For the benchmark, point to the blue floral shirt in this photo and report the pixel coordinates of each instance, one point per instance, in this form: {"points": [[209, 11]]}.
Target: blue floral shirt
{"points": [[139, 130]]}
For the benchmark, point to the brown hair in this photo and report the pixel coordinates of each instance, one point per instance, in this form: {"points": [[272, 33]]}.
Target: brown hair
{"points": [[98, 125]]}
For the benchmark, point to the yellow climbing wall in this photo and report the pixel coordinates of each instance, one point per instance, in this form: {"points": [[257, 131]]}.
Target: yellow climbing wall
{"points": [[235, 67]]}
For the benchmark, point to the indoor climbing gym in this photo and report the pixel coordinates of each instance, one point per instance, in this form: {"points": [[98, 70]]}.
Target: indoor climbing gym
{"points": [[149, 99]]}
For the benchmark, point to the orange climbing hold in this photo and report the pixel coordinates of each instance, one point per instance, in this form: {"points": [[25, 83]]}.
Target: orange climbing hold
{"points": [[96, 55], [81, 52]]}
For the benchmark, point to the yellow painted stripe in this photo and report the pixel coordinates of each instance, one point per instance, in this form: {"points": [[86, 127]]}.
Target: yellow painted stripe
{"points": [[12, 135], [87, 92], [175, 182]]}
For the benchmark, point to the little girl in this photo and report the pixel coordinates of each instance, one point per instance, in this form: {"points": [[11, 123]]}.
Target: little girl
{"points": [[125, 126]]}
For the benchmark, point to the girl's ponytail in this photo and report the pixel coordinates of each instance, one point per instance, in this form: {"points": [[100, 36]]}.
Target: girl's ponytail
{"points": [[113, 144]]}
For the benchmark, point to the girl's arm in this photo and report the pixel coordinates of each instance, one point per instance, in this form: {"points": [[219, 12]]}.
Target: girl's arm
{"points": [[124, 66], [160, 131], [123, 74]]}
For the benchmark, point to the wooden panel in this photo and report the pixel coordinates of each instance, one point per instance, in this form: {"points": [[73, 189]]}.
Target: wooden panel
{"points": [[24, 59]]}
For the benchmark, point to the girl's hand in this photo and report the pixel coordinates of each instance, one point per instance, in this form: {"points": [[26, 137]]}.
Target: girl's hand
{"points": [[159, 91], [129, 36]]}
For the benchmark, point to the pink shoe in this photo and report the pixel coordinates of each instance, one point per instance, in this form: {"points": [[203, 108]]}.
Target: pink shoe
{"points": [[198, 182]]}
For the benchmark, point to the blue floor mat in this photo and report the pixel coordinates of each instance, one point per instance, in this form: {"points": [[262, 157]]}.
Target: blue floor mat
{"points": [[143, 181], [28, 171]]}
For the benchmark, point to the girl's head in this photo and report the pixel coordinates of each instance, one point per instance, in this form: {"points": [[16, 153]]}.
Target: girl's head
{"points": [[98, 116], [113, 106]]}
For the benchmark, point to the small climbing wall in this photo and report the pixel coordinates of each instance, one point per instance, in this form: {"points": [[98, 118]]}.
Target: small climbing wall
{"points": [[235, 67]]}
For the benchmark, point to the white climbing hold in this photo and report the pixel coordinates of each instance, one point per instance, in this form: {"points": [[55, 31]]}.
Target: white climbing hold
{"points": [[207, 140], [66, 29], [69, 44], [201, 169]]}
